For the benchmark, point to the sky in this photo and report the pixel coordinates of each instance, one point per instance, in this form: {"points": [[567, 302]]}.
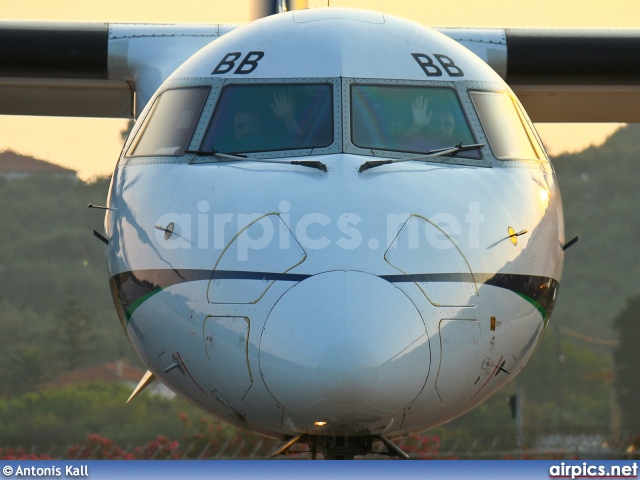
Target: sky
{"points": [[92, 146]]}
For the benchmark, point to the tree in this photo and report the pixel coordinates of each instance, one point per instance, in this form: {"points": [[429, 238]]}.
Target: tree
{"points": [[73, 331], [27, 368], [627, 381]]}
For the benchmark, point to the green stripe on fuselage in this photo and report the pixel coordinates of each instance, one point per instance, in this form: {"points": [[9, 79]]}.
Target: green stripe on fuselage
{"points": [[539, 307], [129, 311]]}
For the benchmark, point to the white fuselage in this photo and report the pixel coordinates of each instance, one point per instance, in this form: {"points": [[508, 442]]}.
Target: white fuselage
{"points": [[295, 300]]}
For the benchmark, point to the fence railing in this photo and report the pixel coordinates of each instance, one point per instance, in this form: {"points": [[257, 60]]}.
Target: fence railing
{"points": [[551, 446]]}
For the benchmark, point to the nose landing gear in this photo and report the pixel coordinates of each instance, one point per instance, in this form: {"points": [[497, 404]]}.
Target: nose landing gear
{"points": [[342, 447]]}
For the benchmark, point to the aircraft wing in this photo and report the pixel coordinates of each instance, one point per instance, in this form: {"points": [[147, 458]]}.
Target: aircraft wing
{"points": [[565, 75], [91, 69], [111, 70]]}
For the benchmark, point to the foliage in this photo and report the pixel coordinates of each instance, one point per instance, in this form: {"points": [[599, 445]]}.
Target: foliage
{"points": [[600, 195], [27, 368], [627, 382], [96, 447], [72, 329], [562, 389], [633, 448], [207, 439], [204, 438], [57, 307], [47, 246], [67, 415], [71, 416], [422, 446], [20, 454]]}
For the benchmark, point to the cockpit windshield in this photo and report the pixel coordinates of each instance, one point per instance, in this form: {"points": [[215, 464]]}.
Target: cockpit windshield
{"points": [[271, 117], [504, 126], [300, 117], [415, 119], [170, 123]]}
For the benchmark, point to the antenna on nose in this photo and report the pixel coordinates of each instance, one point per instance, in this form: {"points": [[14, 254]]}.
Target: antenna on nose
{"points": [[99, 207]]}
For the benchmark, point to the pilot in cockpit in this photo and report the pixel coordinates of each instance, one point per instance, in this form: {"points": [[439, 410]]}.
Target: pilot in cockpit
{"points": [[429, 129], [246, 124], [270, 118], [284, 109], [408, 119], [249, 124]]}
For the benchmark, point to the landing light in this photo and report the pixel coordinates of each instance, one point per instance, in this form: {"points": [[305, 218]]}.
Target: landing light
{"points": [[320, 423]]}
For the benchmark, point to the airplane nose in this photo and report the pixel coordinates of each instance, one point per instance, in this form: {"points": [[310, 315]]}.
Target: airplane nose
{"points": [[347, 372], [342, 342]]}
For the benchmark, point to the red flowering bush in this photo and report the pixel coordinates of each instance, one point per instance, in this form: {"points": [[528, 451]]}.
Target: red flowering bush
{"points": [[20, 454], [95, 448], [211, 439], [421, 446], [162, 448], [205, 439], [208, 438], [632, 448]]}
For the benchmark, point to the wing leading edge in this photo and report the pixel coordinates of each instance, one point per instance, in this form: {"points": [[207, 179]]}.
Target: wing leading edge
{"points": [[111, 70]]}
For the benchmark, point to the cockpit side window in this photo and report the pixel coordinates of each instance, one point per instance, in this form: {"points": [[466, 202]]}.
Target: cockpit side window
{"points": [[414, 119], [169, 125], [504, 126], [271, 117]]}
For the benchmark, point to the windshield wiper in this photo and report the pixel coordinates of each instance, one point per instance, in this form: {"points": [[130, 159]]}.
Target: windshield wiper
{"points": [[440, 152], [215, 153], [228, 157]]}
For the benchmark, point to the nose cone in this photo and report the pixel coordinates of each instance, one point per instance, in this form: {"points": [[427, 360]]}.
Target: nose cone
{"points": [[344, 345], [347, 372]]}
